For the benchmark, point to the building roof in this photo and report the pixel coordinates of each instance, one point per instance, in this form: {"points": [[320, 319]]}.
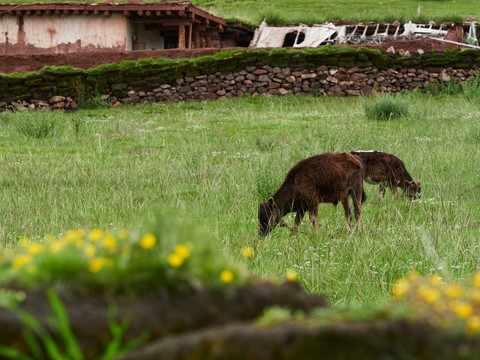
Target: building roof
{"points": [[163, 10]]}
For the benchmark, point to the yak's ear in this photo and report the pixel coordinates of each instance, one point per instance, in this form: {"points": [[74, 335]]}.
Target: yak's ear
{"points": [[418, 183], [271, 201]]}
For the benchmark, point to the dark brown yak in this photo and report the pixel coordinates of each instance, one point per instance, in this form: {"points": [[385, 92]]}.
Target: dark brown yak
{"points": [[388, 170], [326, 178]]}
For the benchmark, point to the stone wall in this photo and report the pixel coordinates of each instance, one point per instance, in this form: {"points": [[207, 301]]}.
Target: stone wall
{"points": [[210, 79]]}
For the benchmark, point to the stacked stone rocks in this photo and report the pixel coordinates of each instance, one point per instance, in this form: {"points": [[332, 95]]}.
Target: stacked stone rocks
{"points": [[264, 80]]}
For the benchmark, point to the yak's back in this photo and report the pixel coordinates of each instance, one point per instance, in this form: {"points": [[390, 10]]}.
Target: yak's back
{"points": [[328, 168], [377, 163]]}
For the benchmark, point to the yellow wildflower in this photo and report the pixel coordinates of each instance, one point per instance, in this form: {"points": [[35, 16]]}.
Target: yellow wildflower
{"points": [[473, 323], [247, 251], [476, 279], [90, 250], [20, 260], [74, 235], [109, 242], [413, 275], [435, 280], [428, 294], [148, 241], [400, 289], [291, 275], [226, 276], [175, 260], [97, 264], [182, 251], [462, 309], [56, 246], [95, 235], [34, 248], [475, 296], [454, 291], [23, 242]]}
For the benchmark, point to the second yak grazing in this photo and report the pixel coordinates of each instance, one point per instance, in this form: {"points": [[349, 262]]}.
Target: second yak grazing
{"points": [[388, 170], [326, 178]]}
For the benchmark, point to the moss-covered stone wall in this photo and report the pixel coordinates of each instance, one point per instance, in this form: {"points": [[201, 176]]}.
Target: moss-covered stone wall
{"points": [[327, 71]]}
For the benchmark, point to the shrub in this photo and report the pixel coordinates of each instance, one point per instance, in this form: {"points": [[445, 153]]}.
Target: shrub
{"points": [[385, 107], [34, 124], [170, 257], [443, 304], [471, 88]]}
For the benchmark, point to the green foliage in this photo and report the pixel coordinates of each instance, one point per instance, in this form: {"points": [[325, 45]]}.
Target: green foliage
{"points": [[471, 89], [385, 107], [171, 257], [32, 125], [127, 64], [63, 345], [59, 69]]}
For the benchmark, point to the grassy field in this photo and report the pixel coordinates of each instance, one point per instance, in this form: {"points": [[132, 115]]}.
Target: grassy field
{"points": [[310, 12], [213, 162]]}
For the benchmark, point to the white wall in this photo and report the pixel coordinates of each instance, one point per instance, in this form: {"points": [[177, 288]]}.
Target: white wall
{"points": [[46, 32]]}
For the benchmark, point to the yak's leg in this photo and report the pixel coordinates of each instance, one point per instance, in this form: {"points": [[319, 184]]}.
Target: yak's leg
{"points": [[298, 220], [381, 192], [348, 212], [284, 224], [394, 188], [357, 205], [313, 213]]}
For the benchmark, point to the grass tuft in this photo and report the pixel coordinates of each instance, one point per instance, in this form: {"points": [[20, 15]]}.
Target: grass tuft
{"points": [[385, 107]]}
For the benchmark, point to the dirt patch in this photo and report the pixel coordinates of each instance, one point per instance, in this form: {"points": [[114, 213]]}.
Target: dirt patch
{"points": [[26, 63], [86, 60]]}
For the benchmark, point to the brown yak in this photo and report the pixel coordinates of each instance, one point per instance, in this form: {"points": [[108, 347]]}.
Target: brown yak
{"points": [[388, 170], [326, 178]]}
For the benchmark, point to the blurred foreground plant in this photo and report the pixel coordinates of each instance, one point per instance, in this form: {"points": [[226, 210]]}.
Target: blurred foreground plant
{"points": [[171, 257], [62, 343], [448, 305]]}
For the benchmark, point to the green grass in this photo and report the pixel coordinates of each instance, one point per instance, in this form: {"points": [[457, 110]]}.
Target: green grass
{"points": [[310, 12], [213, 162]]}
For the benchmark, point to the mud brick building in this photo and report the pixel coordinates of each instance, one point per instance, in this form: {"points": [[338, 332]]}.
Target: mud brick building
{"points": [[62, 28]]}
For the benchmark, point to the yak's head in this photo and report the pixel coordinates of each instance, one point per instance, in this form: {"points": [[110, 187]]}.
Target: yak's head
{"points": [[414, 190], [268, 216]]}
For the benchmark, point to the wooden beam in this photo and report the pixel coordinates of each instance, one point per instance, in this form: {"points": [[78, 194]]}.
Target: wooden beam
{"points": [[196, 39], [181, 36], [167, 22], [190, 36]]}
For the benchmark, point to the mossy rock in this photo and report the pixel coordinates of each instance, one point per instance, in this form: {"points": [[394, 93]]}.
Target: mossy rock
{"points": [[347, 60], [158, 315], [33, 80], [227, 65]]}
